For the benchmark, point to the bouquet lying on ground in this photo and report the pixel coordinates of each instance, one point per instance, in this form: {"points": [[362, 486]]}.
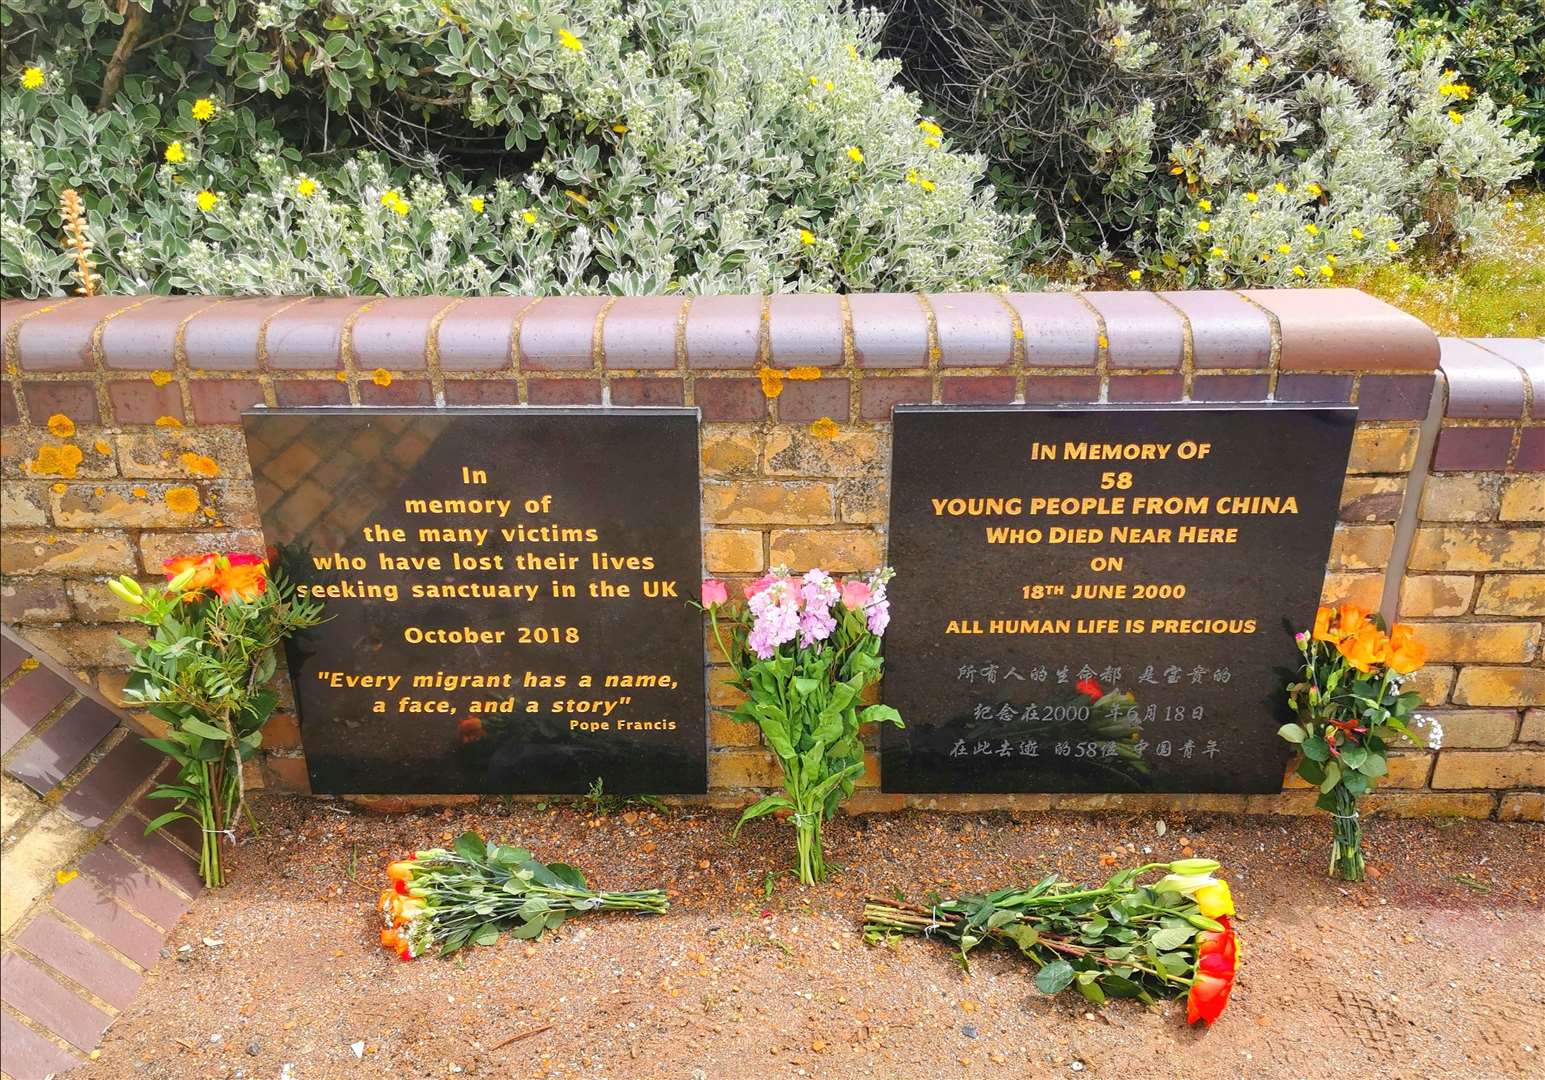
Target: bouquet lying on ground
{"points": [[204, 672], [443, 900], [1349, 708], [1119, 939], [803, 650]]}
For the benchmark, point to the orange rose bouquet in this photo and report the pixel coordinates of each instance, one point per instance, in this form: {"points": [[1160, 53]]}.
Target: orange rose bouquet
{"points": [[1350, 708], [215, 629]]}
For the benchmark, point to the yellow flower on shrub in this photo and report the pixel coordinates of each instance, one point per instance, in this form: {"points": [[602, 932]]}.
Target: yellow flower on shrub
{"points": [[930, 128], [806, 237], [1312, 229], [529, 217], [1314, 189], [174, 153], [476, 204], [927, 185], [32, 78], [1204, 226], [1205, 204], [1327, 271], [1298, 271], [203, 109], [1218, 253], [570, 42], [390, 199], [1357, 234], [1282, 189], [855, 154], [1135, 275], [306, 187], [1455, 116], [207, 200], [1391, 247], [1251, 196], [1284, 249]]}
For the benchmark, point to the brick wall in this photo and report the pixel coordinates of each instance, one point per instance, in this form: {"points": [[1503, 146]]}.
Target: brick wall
{"points": [[1475, 581], [145, 457]]}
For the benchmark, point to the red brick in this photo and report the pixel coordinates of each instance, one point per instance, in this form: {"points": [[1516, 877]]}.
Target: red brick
{"points": [[73, 956], [1141, 331], [876, 397], [143, 402], [144, 337], [26, 1055], [640, 332], [801, 402], [481, 392], [976, 389], [62, 746], [1147, 387], [30, 698], [1226, 330], [156, 851], [310, 392], [135, 887], [804, 330], [564, 392], [730, 399], [1061, 389], [224, 337], [393, 333], [111, 782], [724, 331], [60, 340], [221, 401], [646, 391], [974, 329], [1059, 329], [39, 996], [556, 334], [85, 902], [77, 400], [397, 392], [309, 334], [477, 334], [890, 330]]}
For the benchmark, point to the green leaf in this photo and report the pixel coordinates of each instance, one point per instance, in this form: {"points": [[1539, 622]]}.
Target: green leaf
{"points": [[1054, 977], [1293, 733], [1316, 748], [529, 931], [1091, 989], [760, 808], [166, 819], [486, 934], [1171, 937], [568, 875], [1353, 757], [204, 730], [1332, 777], [469, 845]]}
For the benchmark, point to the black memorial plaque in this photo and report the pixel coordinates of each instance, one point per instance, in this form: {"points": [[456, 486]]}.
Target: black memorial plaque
{"points": [[506, 595], [1103, 598]]}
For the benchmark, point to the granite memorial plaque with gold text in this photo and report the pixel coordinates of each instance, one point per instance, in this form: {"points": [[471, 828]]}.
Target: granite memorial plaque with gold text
{"points": [[1103, 598], [506, 592]]}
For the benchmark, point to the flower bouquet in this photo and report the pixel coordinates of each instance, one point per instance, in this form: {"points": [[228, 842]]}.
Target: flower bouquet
{"points": [[1119, 939], [203, 672], [1349, 707], [803, 650], [447, 899]]}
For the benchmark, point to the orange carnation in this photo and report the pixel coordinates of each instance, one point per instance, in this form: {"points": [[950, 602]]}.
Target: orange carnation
{"points": [[203, 567], [1406, 653], [240, 576], [1365, 649], [1350, 619]]}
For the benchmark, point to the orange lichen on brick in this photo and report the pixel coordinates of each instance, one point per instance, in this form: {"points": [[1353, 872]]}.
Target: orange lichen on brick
{"points": [[57, 460], [1104, 342], [201, 464], [101, 447], [168, 421], [772, 381], [61, 487], [342, 376], [183, 500], [381, 377], [934, 353], [140, 493], [29, 664], [804, 374], [824, 428], [61, 426], [161, 378]]}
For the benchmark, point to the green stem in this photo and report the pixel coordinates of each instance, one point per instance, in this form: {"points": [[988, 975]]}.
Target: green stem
{"points": [[1346, 851]]}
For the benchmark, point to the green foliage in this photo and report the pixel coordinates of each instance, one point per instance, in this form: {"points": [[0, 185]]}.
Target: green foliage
{"points": [[529, 146], [1117, 939], [1212, 142], [1496, 45], [478, 890], [203, 673]]}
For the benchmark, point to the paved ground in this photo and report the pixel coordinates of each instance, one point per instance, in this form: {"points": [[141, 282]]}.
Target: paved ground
{"points": [[1436, 967]]}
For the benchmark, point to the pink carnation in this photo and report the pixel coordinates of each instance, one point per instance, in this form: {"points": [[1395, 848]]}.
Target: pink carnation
{"points": [[714, 593]]}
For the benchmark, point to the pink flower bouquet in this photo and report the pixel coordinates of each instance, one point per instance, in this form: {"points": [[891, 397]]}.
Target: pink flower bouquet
{"points": [[803, 649]]}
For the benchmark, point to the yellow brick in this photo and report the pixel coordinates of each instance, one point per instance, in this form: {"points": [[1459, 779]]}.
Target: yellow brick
{"points": [[793, 451], [1488, 643], [1361, 547], [1459, 547], [1383, 450], [42, 551], [52, 844], [22, 503], [1500, 686], [1461, 497], [863, 500], [1420, 804], [1533, 729], [1435, 595], [156, 547], [871, 774], [1477, 728], [1511, 594], [743, 769], [94, 506], [1522, 806], [733, 551], [17, 802], [722, 690], [838, 551], [1523, 497], [870, 801], [1371, 498], [1408, 769], [289, 774], [726, 733], [87, 646], [1489, 769], [768, 502], [731, 450], [1434, 682], [1364, 590]]}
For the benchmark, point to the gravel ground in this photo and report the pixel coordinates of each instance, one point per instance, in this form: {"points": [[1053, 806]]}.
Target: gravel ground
{"points": [[1435, 966]]}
